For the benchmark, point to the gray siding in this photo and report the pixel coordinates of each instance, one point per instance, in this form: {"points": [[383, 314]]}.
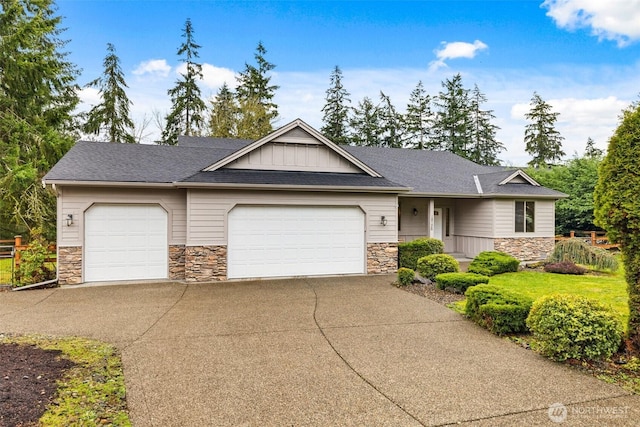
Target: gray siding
{"points": [[474, 218], [76, 200], [309, 157], [208, 209], [505, 219]]}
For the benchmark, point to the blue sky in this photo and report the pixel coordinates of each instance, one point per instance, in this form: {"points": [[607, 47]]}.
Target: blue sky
{"points": [[581, 56]]}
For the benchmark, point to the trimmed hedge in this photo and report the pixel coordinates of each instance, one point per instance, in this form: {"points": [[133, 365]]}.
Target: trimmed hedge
{"points": [[432, 265], [410, 252], [498, 310], [490, 263], [406, 276], [459, 282], [574, 327]]}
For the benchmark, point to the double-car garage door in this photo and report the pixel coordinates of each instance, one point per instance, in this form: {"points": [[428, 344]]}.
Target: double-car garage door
{"points": [[129, 242]]}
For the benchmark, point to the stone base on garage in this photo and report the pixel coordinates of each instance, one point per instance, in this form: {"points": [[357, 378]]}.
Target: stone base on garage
{"points": [[176, 262], [526, 248], [382, 258], [70, 265], [205, 263]]}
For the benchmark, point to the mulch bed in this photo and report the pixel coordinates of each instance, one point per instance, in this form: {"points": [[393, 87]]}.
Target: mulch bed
{"points": [[429, 290], [28, 378]]}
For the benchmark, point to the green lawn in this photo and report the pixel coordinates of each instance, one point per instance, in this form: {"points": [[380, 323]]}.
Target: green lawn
{"points": [[610, 289]]}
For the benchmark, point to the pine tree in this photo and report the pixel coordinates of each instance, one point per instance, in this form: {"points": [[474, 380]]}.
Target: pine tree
{"points": [[111, 116], [38, 94], [483, 146], [390, 124], [542, 140], [591, 151], [336, 110], [254, 92], [365, 124], [224, 114], [186, 115], [452, 126], [418, 120]]}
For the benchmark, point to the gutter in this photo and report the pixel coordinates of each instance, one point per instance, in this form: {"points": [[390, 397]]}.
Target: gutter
{"points": [[225, 186]]}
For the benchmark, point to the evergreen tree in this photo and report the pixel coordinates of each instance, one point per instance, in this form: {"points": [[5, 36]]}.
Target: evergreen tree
{"points": [[255, 91], [483, 147], [111, 116], [336, 110], [224, 114], [186, 115], [365, 124], [452, 126], [390, 124], [542, 140], [617, 208], [591, 151], [37, 96], [253, 120], [418, 120]]}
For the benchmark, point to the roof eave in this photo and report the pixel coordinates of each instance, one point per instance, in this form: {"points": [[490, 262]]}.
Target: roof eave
{"points": [[285, 187], [60, 182], [485, 196]]}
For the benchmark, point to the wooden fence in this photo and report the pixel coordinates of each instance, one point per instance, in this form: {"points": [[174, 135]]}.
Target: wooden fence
{"points": [[594, 238], [18, 246]]}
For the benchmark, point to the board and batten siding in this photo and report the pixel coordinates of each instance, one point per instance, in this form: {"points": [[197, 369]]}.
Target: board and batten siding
{"points": [[505, 211], [76, 201], [309, 157], [208, 210]]}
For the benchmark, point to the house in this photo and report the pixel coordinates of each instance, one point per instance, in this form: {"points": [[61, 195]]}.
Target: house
{"points": [[290, 204]]}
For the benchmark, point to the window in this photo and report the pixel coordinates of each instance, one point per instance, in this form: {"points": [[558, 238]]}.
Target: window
{"points": [[525, 217]]}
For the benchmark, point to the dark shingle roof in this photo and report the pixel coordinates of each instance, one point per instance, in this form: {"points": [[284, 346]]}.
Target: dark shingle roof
{"points": [[434, 173], [293, 178]]}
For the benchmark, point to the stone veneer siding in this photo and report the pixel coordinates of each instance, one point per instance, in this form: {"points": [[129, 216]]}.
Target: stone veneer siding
{"points": [[70, 265], [205, 263], [382, 258], [176, 262], [526, 248]]}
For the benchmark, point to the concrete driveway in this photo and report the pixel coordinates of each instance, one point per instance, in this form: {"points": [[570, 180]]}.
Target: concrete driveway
{"points": [[332, 351]]}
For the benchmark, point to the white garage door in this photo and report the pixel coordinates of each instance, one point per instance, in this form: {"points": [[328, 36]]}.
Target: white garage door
{"points": [[125, 242], [295, 241]]}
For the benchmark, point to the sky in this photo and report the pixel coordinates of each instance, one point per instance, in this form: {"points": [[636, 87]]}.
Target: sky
{"points": [[580, 56]]}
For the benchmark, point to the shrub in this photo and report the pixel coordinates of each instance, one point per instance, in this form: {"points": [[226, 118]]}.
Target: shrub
{"points": [[432, 265], [498, 310], [410, 252], [580, 252], [406, 276], [459, 281], [33, 268], [565, 267], [574, 327], [490, 263]]}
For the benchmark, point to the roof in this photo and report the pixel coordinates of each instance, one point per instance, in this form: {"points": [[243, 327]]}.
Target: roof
{"points": [[189, 164]]}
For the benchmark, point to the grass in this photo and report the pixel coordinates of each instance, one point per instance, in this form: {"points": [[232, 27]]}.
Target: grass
{"points": [[608, 288], [92, 393]]}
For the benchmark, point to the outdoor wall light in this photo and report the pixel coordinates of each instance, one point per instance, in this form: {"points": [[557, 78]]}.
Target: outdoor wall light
{"points": [[383, 220], [415, 212], [69, 220]]}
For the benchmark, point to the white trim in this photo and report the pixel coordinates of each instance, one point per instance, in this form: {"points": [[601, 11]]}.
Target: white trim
{"points": [[521, 174], [478, 185]]}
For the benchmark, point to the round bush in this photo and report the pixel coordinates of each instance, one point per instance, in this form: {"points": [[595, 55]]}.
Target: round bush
{"points": [[574, 327], [490, 263], [432, 265], [406, 276], [410, 252]]}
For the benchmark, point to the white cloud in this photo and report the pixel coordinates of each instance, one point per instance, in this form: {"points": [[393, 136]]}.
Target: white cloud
{"points": [[617, 20], [454, 50], [213, 77], [154, 68], [89, 96]]}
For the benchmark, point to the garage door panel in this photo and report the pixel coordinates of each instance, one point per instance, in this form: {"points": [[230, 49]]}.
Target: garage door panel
{"points": [[295, 241], [125, 243]]}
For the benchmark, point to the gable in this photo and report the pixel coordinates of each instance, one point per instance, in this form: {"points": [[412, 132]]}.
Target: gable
{"points": [[295, 147]]}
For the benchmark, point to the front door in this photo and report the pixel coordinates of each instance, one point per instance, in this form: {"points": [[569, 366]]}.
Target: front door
{"points": [[437, 223]]}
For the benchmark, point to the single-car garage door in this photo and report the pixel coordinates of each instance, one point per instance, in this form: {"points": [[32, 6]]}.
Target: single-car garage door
{"points": [[272, 241], [125, 242]]}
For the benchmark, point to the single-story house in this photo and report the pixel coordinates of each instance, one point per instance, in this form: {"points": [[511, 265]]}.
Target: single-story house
{"points": [[290, 204]]}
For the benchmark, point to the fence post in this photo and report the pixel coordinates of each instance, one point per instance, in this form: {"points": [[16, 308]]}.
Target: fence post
{"points": [[593, 238], [572, 234], [16, 249]]}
